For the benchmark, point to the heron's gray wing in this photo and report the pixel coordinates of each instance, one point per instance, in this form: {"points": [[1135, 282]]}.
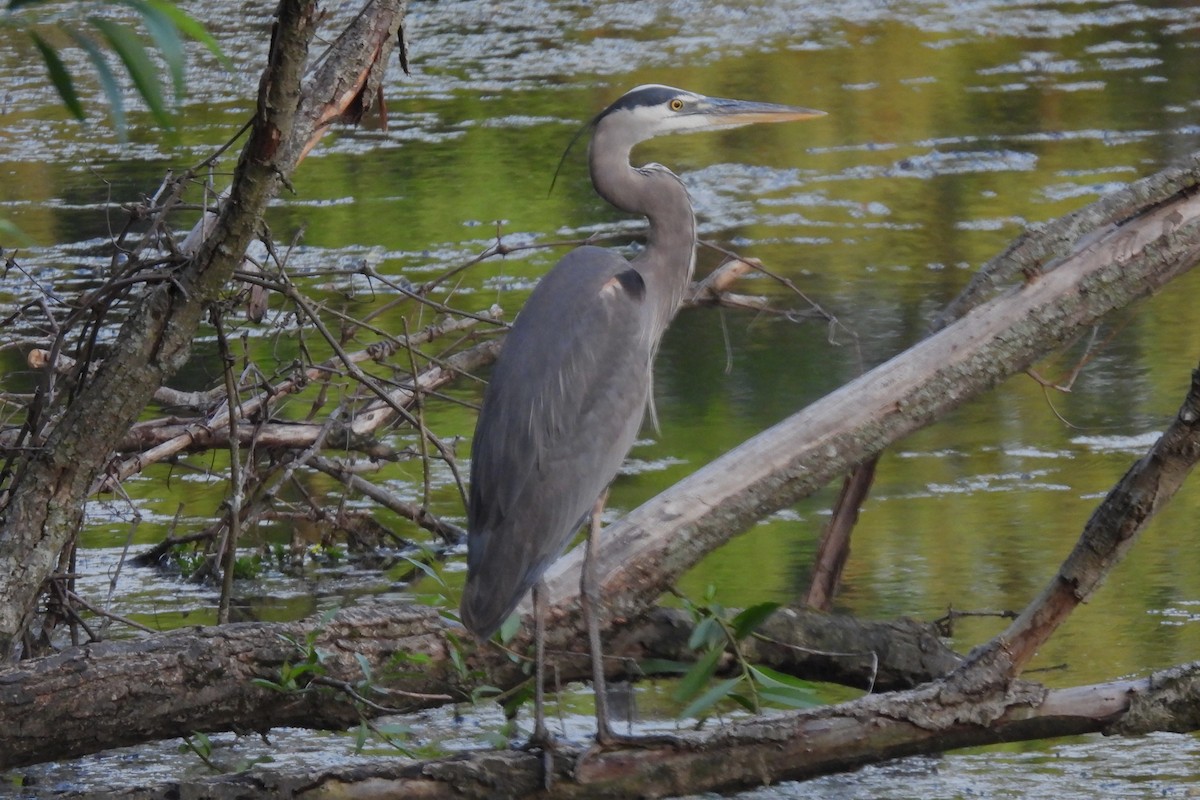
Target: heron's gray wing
{"points": [[563, 407]]}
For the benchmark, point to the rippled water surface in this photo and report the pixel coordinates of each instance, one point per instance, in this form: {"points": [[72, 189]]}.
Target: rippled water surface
{"points": [[952, 127]]}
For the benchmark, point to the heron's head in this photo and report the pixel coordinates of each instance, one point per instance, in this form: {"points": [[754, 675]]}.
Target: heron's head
{"points": [[653, 110]]}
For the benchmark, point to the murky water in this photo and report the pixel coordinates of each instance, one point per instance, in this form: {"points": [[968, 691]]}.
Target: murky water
{"points": [[951, 127]]}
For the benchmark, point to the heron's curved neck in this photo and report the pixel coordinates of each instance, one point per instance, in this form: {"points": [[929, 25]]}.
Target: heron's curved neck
{"points": [[657, 194]]}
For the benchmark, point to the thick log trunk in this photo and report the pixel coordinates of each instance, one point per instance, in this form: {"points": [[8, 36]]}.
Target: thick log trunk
{"points": [[119, 693], [745, 754]]}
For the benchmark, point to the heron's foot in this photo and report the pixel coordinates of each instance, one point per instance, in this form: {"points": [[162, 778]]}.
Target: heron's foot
{"points": [[544, 742], [540, 739]]}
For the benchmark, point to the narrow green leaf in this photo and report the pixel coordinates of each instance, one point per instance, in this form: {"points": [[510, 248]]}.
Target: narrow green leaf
{"points": [[394, 729], [698, 676], [299, 670], [480, 692], [125, 43], [788, 697], [743, 701], [706, 632], [166, 36], [59, 76], [108, 81], [750, 618], [714, 695], [9, 229], [765, 676], [192, 29], [518, 698], [365, 665], [416, 564], [509, 628]]}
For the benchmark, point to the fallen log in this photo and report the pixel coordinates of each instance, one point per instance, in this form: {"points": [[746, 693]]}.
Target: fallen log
{"points": [[118, 693], [748, 753]]}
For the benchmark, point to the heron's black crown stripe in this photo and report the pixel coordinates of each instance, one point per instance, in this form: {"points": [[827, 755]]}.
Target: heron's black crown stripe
{"points": [[649, 96]]}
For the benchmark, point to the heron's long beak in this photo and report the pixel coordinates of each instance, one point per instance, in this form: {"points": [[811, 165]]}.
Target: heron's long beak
{"points": [[719, 112]]}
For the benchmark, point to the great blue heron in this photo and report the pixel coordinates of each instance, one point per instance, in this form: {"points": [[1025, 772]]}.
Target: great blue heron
{"points": [[567, 395]]}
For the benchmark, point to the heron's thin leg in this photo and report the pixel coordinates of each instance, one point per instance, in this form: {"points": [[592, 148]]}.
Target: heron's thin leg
{"points": [[589, 595], [541, 736]]}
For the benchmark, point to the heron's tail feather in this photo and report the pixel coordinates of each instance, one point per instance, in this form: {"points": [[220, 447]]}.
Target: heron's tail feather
{"points": [[484, 608]]}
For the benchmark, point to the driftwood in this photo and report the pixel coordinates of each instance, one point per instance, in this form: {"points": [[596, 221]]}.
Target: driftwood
{"points": [[744, 754], [160, 439], [127, 692]]}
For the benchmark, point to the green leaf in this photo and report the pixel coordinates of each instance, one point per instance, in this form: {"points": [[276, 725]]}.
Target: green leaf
{"points": [[517, 699], [509, 628], [166, 36], [192, 29], [125, 43], [59, 76], [765, 676], [457, 660], [480, 692], [714, 695], [364, 665], [8, 228], [698, 676], [749, 619], [781, 689], [429, 571], [410, 659], [788, 697], [743, 701], [108, 81], [706, 633], [396, 729]]}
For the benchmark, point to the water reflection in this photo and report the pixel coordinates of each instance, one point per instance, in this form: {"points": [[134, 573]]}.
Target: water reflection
{"points": [[952, 127]]}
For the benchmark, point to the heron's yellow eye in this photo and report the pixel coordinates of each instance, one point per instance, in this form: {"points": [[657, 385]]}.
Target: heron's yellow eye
{"points": [[676, 104]]}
